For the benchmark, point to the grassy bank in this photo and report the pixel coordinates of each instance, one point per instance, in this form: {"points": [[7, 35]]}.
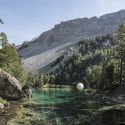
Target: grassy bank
{"points": [[57, 86], [2, 101]]}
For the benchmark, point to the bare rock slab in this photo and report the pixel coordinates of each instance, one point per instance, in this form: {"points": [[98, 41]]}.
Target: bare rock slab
{"points": [[10, 88]]}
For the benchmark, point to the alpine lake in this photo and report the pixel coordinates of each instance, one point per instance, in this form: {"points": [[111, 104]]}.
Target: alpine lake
{"points": [[56, 106]]}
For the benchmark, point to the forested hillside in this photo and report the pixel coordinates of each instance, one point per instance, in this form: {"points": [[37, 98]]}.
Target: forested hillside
{"points": [[84, 65], [98, 63]]}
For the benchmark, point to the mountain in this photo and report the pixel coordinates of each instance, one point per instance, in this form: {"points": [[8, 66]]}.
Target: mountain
{"points": [[46, 48]]}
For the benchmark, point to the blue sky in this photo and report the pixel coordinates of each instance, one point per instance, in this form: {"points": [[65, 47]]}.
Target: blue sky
{"points": [[26, 19]]}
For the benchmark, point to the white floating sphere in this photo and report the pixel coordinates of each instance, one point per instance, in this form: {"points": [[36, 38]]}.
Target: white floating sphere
{"points": [[80, 86]]}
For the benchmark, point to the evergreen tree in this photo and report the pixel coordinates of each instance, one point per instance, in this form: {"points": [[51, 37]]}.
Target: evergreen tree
{"points": [[9, 59], [120, 47], [110, 74]]}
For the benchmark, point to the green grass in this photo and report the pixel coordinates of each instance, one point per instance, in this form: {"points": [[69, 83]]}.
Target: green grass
{"points": [[2, 101], [56, 86]]}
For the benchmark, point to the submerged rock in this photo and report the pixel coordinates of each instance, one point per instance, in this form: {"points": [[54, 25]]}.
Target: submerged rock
{"points": [[111, 115], [10, 88]]}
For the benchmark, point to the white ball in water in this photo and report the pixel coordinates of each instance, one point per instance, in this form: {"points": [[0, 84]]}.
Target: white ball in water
{"points": [[80, 86]]}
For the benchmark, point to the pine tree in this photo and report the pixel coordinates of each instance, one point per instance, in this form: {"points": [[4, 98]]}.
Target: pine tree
{"points": [[9, 59], [120, 47]]}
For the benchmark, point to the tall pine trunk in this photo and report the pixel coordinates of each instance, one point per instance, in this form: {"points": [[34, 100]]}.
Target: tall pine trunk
{"points": [[121, 70]]}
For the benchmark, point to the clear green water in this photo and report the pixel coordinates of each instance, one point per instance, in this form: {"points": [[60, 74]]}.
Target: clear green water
{"points": [[64, 107]]}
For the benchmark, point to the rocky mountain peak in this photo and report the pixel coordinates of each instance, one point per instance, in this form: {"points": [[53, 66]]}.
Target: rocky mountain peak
{"points": [[35, 52]]}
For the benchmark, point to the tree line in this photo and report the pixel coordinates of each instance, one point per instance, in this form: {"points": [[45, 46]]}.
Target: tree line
{"points": [[97, 65], [9, 59]]}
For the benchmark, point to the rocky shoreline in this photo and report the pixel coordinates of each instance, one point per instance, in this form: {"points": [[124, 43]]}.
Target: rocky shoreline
{"points": [[17, 113], [12, 111], [11, 98]]}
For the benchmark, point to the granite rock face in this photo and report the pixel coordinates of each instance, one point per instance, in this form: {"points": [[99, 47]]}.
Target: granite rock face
{"points": [[42, 50], [9, 87]]}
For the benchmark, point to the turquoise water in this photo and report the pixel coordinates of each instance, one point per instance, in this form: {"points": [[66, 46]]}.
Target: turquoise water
{"points": [[64, 107]]}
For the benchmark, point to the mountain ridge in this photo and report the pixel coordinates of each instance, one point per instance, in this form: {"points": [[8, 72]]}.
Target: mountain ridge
{"points": [[67, 32]]}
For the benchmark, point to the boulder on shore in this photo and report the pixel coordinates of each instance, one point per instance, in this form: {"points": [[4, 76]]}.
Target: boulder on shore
{"points": [[10, 88]]}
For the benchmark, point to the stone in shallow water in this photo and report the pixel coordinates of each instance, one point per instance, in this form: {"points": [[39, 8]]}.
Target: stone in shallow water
{"points": [[111, 115]]}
